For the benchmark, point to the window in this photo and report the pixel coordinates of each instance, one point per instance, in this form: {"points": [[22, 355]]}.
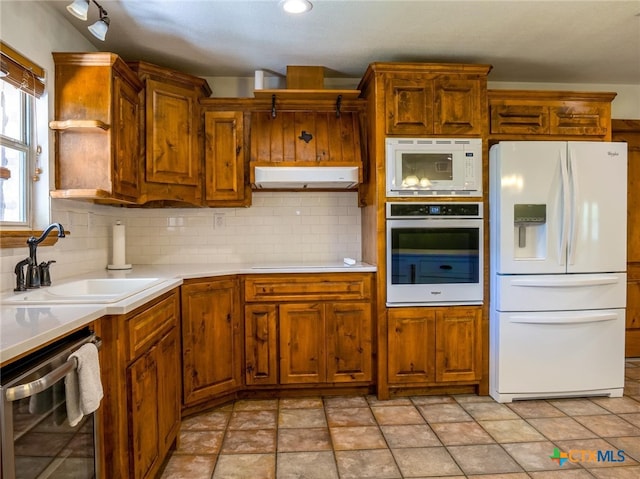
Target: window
{"points": [[21, 195], [17, 165]]}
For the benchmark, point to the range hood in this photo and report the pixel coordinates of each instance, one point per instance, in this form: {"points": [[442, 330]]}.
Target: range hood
{"points": [[305, 177]]}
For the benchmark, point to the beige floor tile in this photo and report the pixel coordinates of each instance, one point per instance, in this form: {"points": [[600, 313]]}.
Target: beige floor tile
{"points": [[253, 420], [425, 461], [374, 401], [536, 456], [357, 437], [375, 464], [487, 411], [255, 405], [511, 430], [578, 407], [608, 425], [633, 418], [427, 400], [307, 465], [534, 409], [189, 467], [509, 475], [345, 402], [630, 446], [199, 442], [300, 440], [562, 474], [561, 428], [301, 403], [413, 435], [461, 433], [633, 373], [245, 466], [483, 459], [396, 415], [618, 405], [468, 398], [357, 416], [622, 472], [301, 418], [260, 441], [216, 419], [444, 413]]}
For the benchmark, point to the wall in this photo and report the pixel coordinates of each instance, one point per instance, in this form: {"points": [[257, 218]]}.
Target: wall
{"points": [[279, 227]]}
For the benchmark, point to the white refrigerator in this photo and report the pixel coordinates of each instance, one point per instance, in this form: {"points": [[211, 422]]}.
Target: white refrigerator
{"points": [[558, 214]]}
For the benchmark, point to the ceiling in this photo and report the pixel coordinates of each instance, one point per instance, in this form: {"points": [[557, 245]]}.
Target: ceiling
{"points": [[554, 41]]}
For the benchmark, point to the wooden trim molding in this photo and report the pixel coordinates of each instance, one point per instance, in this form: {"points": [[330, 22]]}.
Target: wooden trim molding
{"points": [[18, 239]]}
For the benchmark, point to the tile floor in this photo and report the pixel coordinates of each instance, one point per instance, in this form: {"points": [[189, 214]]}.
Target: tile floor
{"points": [[417, 437]]}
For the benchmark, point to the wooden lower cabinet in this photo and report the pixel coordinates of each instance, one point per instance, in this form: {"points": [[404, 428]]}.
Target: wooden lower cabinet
{"points": [[140, 413], [313, 329], [434, 345], [211, 339]]}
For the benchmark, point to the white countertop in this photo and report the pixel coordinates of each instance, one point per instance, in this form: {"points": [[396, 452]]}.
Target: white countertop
{"points": [[25, 328]]}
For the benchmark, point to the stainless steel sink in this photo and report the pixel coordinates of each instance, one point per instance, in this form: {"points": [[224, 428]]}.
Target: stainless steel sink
{"points": [[104, 290]]}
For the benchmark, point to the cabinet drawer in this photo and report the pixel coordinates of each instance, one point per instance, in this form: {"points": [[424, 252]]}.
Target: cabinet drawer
{"points": [[296, 287], [576, 118], [145, 328], [520, 119]]}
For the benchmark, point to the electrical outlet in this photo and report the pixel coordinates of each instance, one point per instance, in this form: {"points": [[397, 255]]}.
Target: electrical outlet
{"points": [[218, 221]]}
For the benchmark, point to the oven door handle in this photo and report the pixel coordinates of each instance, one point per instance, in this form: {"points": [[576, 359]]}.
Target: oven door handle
{"points": [[45, 382]]}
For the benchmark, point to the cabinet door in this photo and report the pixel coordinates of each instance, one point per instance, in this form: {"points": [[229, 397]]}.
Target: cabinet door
{"points": [[580, 118], [211, 339], [409, 105], [261, 344], [126, 139], [411, 336], [349, 342], [224, 157], [458, 107], [302, 343], [172, 134], [142, 378], [169, 388], [458, 350], [519, 119]]}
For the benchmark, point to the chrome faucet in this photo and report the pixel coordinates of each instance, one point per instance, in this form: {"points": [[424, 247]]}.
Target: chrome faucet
{"points": [[33, 270]]}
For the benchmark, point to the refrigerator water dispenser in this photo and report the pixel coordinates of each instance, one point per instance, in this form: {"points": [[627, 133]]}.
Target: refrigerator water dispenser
{"points": [[530, 222]]}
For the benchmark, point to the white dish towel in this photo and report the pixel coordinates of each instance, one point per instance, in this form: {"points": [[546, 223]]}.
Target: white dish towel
{"points": [[83, 388]]}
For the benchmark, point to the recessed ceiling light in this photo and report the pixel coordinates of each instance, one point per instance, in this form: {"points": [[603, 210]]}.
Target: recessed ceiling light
{"points": [[296, 6]]}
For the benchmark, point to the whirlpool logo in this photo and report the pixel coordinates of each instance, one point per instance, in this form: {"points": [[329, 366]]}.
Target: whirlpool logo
{"points": [[613, 153], [586, 455]]}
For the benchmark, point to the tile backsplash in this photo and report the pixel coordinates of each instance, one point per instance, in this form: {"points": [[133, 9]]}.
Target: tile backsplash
{"points": [[278, 228]]}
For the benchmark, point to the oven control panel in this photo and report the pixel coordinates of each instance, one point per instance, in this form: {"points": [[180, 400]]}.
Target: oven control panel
{"points": [[439, 210]]}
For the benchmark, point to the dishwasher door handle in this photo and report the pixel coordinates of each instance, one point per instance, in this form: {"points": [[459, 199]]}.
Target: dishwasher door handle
{"points": [[45, 382]]}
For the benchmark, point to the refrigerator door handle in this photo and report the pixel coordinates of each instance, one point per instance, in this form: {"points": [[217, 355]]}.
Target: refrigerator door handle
{"points": [[564, 232], [566, 283], [547, 318], [573, 177]]}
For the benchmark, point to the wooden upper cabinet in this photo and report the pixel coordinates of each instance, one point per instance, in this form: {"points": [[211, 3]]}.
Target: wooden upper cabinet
{"points": [[300, 138], [409, 105], [171, 135], [97, 112], [425, 99], [224, 159], [529, 114]]}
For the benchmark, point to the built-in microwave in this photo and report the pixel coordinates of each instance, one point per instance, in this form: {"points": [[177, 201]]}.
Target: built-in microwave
{"points": [[433, 167]]}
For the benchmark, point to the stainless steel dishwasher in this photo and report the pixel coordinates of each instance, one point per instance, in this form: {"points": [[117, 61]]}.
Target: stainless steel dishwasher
{"points": [[37, 440]]}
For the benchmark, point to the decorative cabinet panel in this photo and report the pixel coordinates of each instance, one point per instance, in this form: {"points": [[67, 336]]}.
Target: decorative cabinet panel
{"points": [[434, 345], [320, 328], [629, 132], [518, 114], [224, 159], [211, 315], [261, 344], [433, 99], [171, 134], [97, 111]]}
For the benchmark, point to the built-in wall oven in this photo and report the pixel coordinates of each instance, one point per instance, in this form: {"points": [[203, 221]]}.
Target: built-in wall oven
{"points": [[434, 254], [37, 440]]}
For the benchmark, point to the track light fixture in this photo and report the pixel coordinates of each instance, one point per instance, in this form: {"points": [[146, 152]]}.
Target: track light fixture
{"points": [[80, 8]]}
